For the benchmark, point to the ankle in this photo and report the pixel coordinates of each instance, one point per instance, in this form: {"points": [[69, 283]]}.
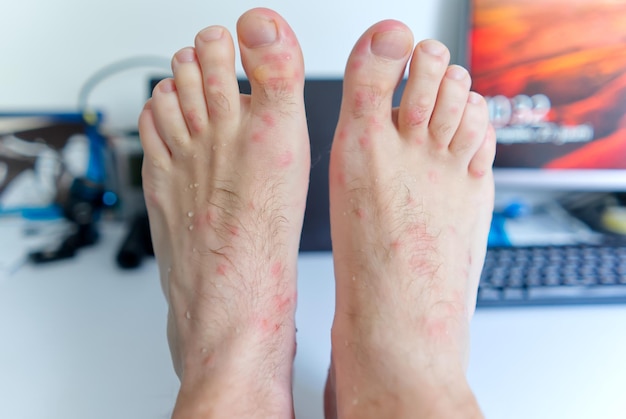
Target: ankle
{"points": [[238, 376], [392, 386], [251, 379], [229, 398]]}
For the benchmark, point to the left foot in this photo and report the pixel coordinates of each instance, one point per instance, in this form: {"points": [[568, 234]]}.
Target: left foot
{"points": [[225, 179]]}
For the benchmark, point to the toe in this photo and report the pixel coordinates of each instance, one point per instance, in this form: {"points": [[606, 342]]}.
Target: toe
{"points": [[168, 117], [482, 161], [153, 146], [216, 54], [428, 66], [448, 112], [472, 129], [272, 60], [188, 80], [374, 69]]}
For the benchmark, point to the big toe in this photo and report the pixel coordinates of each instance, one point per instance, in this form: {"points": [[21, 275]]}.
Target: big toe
{"points": [[272, 59], [375, 68]]}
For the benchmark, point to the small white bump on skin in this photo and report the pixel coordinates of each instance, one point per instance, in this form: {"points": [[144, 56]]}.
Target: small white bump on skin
{"points": [[204, 350], [214, 147], [194, 250], [345, 213], [190, 227], [195, 156], [354, 278], [188, 315], [159, 164], [195, 185], [355, 402], [190, 214]]}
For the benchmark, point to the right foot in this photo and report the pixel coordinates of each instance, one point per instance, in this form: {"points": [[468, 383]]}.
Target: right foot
{"points": [[225, 179], [411, 194]]}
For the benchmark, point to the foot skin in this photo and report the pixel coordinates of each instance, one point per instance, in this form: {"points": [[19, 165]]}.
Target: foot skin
{"points": [[225, 179], [411, 193]]}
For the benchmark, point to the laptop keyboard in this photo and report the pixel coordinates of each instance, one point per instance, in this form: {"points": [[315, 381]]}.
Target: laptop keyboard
{"points": [[554, 275]]}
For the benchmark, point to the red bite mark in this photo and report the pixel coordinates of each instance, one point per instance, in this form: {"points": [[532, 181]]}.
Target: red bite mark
{"points": [[202, 220], [338, 177], [276, 270], [356, 64], [364, 141], [416, 116], [433, 177], [221, 269], [396, 245], [374, 123], [195, 121], [285, 159], [268, 119], [257, 137], [283, 303], [278, 59], [232, 230], [212, 81]]}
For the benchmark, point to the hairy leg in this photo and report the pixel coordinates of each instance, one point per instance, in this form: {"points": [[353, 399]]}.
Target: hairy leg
{"points": [[225, 179], [411, 193]]}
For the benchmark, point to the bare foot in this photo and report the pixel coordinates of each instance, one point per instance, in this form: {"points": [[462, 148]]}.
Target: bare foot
{"points": [[225, 179], [411, 193]]}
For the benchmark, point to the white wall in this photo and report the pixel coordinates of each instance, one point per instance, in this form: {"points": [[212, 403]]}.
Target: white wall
{"points": [[49, 48]]}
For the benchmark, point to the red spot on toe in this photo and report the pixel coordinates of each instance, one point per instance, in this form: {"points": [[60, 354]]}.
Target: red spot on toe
{"points": [[396, 245], [212, 81], [360, 213], [416, 116], [195, 121], [356, 64], [342, 135], [278, 59]]}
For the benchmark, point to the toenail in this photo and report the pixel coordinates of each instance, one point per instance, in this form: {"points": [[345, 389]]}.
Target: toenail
{"points": [[257, 31], [212, 33], [456, 73], [433, 47], [167, 86], [474, 98], [187, 55], [393, 44]]}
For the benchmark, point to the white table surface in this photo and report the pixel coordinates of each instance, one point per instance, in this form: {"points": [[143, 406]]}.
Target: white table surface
{"points": [[81, 339]]}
